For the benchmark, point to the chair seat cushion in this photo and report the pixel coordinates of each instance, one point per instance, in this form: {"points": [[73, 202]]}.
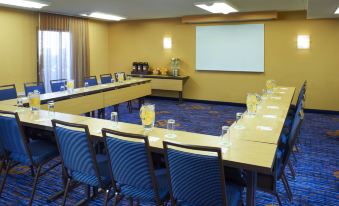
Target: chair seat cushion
{"points": [[147, 194], [92, 180], [41, 150], [233, 194]]}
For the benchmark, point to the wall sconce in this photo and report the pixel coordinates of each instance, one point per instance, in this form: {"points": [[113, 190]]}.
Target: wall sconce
{"points": [[303, 42], [167, 42]]}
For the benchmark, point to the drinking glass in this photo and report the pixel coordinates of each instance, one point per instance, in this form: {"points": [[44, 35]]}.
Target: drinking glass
{"points": [[170, 128], [238, 116], [62, 88], [19, 102], [264, 94], [112, 80], [251, 103], [51, 107], [114, 119], [86, 85], [225, 136]]}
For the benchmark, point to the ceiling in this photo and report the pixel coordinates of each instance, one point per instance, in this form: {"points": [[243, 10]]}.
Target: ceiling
{"points": [[150, 9]]}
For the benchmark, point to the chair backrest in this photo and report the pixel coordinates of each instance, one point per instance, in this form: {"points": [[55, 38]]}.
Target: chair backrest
{"points": [[130, 160], [56, 84], [76, 150], [12, 136], [8, 92], [196, 179], [293, 135], [91, 80], [31, 86], [121, 75], [106, 78]]}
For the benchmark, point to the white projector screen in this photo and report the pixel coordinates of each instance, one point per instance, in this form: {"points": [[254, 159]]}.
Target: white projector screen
{"points": [[230, 48]]}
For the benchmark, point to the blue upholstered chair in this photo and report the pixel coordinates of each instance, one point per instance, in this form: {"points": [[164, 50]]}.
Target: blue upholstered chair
{"points": [[197, 179], [132, 168], [30, 87], [18, 148], [56, 84], [91, 80], [267, 183], [106, 78], [80, 163], [8, 92]]}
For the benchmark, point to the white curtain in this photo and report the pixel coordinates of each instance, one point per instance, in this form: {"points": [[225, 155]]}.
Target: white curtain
{"points": [[54, 56]]}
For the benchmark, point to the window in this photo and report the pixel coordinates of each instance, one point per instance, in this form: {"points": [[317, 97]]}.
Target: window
{"points": [[54, 56]]}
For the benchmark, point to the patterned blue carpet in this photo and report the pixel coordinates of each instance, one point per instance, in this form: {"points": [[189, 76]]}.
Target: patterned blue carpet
{"points": [[317, 181]]}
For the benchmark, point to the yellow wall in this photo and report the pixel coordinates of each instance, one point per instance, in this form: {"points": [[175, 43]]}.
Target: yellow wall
{"points": [[142, 41], [99, 47], [18, 47], [114, 46]]}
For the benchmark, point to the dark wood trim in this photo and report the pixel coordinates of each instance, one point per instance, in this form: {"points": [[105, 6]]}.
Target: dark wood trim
{"points": [[159, 76], [232, 17]]}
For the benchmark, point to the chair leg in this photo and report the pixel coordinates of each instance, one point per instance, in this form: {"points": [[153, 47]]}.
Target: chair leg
{"points": [[278, 198], [287, 187], [290, 166], [93, 113], [34, 185], [116, 108], [296, 148], [32, 171], [294, 157], [130, 106], [66, 192], [1, 165], [131, 201], [5, 177], [106, 196]]}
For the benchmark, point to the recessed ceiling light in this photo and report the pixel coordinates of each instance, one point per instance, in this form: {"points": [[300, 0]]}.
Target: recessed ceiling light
{"points": [[24, 3], [98, 15], [216, 7], [337, 11]]}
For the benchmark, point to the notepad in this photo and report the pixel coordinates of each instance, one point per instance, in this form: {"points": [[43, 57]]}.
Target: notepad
{"points": [[153, 139], [271, 116], [272, 107], [265, 128], [276, 98]]}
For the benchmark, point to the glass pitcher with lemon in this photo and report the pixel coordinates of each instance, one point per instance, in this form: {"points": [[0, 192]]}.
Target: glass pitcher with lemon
{"points": [[34, 100], [270, 84], [147, 116], [70, 86], [251, 103]]}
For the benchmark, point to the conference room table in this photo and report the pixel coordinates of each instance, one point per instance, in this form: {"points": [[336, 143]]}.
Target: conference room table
{"points": [[86, 99], [253, 151]]}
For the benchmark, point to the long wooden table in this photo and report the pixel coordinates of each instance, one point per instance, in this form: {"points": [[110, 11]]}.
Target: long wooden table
{"points": [[83, 100], [253, 146], [267, 124], [165, 82]]}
